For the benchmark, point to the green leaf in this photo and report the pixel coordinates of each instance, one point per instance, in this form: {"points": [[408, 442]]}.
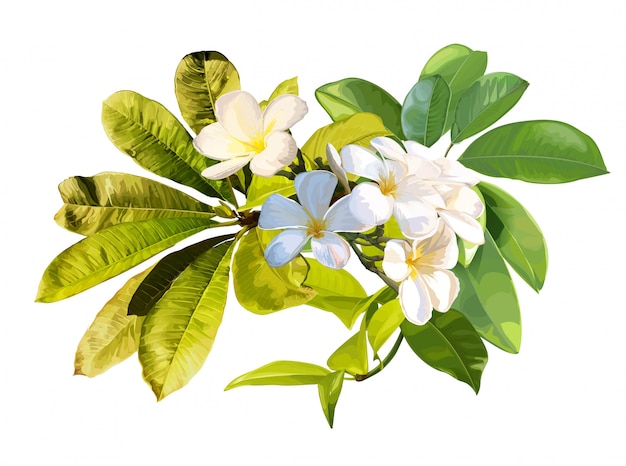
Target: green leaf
{"points": [[488, 299], [359, 129], [349, 96], [384, 323], [539, 151], [261, 188], [460, 66], [352, 355], [337, 291], [263, 289], [329, 391], [178, 334], [289, 86], [468, 250], [110, 252], [282, 373], [485, 102], [97, 202], [201, 77], [156, 140], [516, 234], [449, 343], [113, 336], [165, 272], [424, 110]]}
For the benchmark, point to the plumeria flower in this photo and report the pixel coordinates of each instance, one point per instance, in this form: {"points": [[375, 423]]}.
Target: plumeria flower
{"points": [[461, 205], [244, 134], [334, 162], [392, 191], [311, 219], [421, 269]]}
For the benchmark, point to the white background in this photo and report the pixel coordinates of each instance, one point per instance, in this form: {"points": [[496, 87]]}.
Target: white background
{"points": [[561, 400]]}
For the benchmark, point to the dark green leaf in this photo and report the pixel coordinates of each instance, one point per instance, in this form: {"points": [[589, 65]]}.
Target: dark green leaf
{"points": [[97, 202], [539, 151], [201, 77], [110, 252], [449, 343], [485, 102], [348, 96], [460, 66], [488, 299], [517, 235], [163, 274], [424, 110], [156, 140], [282, 373], [329, 391]]}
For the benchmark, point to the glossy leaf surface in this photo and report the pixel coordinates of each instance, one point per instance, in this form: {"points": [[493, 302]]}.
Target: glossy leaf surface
{"points": [[352, 355], [384, 323], [261, 188], [329, 391], [282, 373], [449, 343], [425, 109], [541, 151], [96, 202], [111, 252], [201, 78], [289, 86], [179, 332], [349, 96], [488, 299], [156, 140]]}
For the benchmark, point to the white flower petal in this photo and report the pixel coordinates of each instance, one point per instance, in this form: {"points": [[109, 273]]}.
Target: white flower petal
{"points": [[443, 288], [222, 170], [283, 112], [464, 226], [454, 171], [280, 150], [331, 250], [467, 201], [340, 218], [440, 250], [389, 149], [394, 260], [355, 159], [285, 247], [415, 301], [315, 190], [216, 143], [279, 212], [423, 189], [335, 165], [423, 152], [240, 115], [369, 205], [415, 217]]}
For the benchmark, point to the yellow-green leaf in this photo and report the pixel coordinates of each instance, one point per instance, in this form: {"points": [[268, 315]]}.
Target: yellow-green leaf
{"points": [[113, 336], [289, 86], [97, 202], [383, 323], [282, 373], [329, 391], [261, 188], [201, 77], [263, 289], [352, 355], [179, 332]]}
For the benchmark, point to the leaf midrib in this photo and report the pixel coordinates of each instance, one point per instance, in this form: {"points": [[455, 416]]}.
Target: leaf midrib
{"points": [[528, 157]]}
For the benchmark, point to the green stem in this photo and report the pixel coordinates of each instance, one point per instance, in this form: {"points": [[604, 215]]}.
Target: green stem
{"points": [[384, 362], [232, 192]]}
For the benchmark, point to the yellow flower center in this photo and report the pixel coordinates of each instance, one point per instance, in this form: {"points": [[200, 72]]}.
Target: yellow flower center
{"points": [[316, 228], [388, 185], [412, 262], [257, 143]]}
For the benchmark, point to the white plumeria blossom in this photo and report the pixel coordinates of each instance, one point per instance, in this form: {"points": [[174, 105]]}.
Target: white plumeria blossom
{"points": [[393, 191], [421, 269], [461, 205], [243, 133], [334, 162], [311, 219]]}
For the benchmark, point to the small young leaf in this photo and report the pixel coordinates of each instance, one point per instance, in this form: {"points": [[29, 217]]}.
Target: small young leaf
{"points": [[383, 323], [289, 86], [424, 110], [329, 391], [352, 355], [282, 373]]}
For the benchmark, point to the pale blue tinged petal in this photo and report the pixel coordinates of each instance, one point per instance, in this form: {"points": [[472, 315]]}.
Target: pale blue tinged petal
{"points": [[216, 143], [394, 260], [283, 112], [359, 161], [415, 301], [315, 190], [240, 115], [335, 165], [415, 217], [285, 247], [443, 288], [340, 218], [280, 150], [369, 206], [222, 170], [389, 149], [464, 226], [279, 212], [331, 250]]}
